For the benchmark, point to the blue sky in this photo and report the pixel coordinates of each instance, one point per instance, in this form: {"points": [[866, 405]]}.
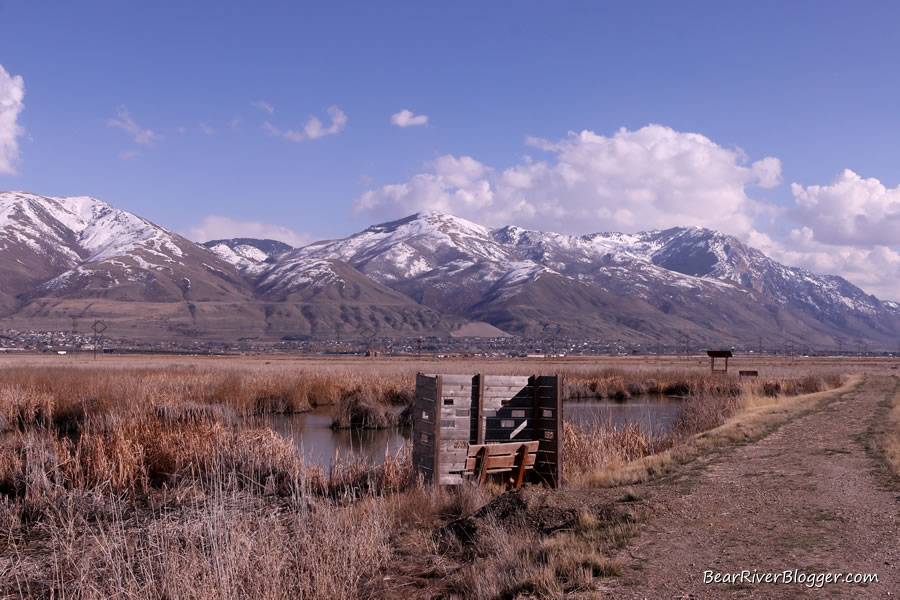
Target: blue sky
{"points": [[157, 108]]}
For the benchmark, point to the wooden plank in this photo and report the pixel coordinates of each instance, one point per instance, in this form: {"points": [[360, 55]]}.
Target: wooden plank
{"points": [[506, 448], [515, 412], [470, 472], [457, 396], [456, 379], [465, 389], [437, 431], [421, 426], [502, 436], [506, 392], [520, 380], [506, 460], [449, 412]]}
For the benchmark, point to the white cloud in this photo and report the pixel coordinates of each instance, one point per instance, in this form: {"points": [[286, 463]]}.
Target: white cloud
{"points": [[12, 93], [129, 154], [405, 118], [848, 228], [235, 123], [289, 134], [216, 227], [654, 177], [314, 129], [263, 106], [207, 129], [124, 122], [850, 210]]}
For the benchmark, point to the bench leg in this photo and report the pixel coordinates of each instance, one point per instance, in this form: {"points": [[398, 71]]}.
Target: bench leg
{"points": [[481, 465], [519, 468]]}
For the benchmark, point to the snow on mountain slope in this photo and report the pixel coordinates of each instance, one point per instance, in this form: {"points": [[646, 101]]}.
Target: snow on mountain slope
{"points": [[409, 274], [456, 265], [251, 256], [91, 249], [410, 247], [714, 255]]}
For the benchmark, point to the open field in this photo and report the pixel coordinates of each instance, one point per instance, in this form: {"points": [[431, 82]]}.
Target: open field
{"points": [[138, 477]]}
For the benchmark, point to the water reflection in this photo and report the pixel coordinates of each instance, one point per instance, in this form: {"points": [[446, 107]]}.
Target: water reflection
{"points": [[313, 437]]}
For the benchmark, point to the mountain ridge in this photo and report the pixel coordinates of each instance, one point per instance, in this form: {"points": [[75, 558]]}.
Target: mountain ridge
{"points": [[426, 272]]}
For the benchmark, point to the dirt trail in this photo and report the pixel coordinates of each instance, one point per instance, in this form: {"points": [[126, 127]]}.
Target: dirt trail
{"points": [[806, 497]]}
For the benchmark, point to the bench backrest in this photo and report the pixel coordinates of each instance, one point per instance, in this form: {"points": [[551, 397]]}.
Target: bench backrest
{"points": [[501, 457]]}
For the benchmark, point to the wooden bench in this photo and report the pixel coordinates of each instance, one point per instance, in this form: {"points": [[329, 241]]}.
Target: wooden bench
{"points": [[485, 459]]}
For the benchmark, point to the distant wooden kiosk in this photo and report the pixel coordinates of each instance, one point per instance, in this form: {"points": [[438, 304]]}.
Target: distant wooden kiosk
{"points": [[468, 426], [720, 354]]}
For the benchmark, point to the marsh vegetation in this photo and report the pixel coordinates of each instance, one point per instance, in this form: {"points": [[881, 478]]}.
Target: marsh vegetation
{"points": [[143, 482]]}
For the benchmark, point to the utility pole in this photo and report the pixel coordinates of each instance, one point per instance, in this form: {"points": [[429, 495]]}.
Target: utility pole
{"points": [[99, 327]]}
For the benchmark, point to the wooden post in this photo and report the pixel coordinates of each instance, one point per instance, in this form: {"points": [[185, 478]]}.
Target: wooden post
{"points": [[558, 436], [519, 466], [479, 425], [481, 465], [438, 398], [548, 467], [538, 430]]}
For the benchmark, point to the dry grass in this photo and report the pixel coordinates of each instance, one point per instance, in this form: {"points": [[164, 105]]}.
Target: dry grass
{"points": [[154, 508], [519, 563], [890, 439], [148, 482]]}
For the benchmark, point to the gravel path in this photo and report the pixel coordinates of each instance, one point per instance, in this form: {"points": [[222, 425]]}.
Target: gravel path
{"points": [[806, 497]]}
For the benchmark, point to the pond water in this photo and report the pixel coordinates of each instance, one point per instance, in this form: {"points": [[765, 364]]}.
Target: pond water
{"points": [[314, 439], [318, 443]]}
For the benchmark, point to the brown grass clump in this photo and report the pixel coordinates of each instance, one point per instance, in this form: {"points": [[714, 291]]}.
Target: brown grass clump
{"points": [[193, 509], [513, 559], [362, 409], [587, 449]]}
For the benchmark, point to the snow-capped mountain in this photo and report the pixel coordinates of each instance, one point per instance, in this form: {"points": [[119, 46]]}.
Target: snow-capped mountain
{"points": [[687, 280], [62, 258], [249, 255], [100, 251]]}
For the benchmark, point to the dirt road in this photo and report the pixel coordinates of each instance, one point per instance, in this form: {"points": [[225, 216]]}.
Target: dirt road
{"points": [[807, 497]]}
